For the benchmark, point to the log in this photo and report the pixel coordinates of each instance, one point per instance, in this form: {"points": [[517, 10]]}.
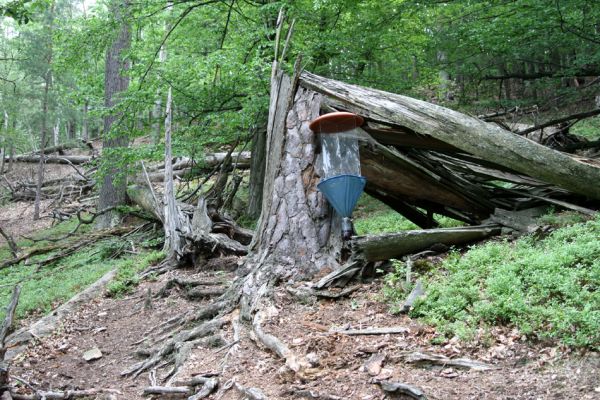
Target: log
{"points": [[241, 160], [394, 245], [182, 391], [392, 330], [438, 359], [469, 134], [54, 159]]}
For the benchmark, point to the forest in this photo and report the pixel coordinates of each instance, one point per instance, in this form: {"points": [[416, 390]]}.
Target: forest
{"points": [[166, 230]]}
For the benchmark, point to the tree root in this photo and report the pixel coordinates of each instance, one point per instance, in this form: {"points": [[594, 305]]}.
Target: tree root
{"points": [[193, 289], [170, 350], [292, 361], [250, 393]]}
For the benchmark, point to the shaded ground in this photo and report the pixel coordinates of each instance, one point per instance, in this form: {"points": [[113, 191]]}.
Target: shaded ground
{"points": [[523, 371]]}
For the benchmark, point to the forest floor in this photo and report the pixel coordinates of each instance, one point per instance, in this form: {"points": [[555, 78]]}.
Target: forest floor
{"points": [[345, 367]]}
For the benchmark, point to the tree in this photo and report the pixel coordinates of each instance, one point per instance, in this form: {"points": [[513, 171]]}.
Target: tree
{"points": [[113, 190]]}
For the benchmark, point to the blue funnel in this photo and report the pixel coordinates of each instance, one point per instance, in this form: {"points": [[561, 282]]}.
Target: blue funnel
{"points": [[343, 192]]}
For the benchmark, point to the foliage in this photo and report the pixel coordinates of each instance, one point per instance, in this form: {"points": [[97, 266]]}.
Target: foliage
{"points": [[53, 284], [588, 128], [127, 278], [546, 288]]}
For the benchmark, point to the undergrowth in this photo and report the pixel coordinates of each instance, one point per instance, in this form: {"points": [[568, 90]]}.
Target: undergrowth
{"points": [[546, 288], [373, 217], [51, 285]]}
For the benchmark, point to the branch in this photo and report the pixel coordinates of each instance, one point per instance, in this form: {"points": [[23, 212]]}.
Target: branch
{"points": [[8, 319], [168, 34], [578, 117], [11, 243]]}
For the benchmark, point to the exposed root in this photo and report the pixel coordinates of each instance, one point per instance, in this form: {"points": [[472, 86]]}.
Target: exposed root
{"points": [[292, 361], [193, 289], [170, 349], [305, 293], [250, 393]]}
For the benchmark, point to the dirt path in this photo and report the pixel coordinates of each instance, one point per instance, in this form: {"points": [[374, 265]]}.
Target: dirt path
{"points": [[523, 371]]}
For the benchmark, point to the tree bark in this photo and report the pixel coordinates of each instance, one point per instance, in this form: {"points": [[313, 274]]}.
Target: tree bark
{"points": [[174, 239], [40, 171], [298, 234], [469, 134], [113, 190], [85, 135], [394, 245], [257, 173]]}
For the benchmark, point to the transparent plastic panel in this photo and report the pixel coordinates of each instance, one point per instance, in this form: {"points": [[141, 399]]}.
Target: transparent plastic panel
{"points": [[340, 155]]}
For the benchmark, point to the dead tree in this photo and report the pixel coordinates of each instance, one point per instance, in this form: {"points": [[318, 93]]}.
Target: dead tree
{"points": [[172, 221]]}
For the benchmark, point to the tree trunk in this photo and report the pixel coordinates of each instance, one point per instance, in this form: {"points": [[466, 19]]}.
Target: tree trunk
{"points": [[113, 190], [85, 133], [469, 134], [3, 143], [40, 171], [257, 173], [56, 133], [298, 234], [174, 239]]}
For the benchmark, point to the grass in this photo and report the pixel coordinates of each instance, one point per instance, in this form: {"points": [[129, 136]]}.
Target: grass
{"points": [[373, 217], [53, 284], [546, 288], [588, 128]]}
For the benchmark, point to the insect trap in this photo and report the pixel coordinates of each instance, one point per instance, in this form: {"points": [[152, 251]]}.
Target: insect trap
{"points": [[341, 182]]}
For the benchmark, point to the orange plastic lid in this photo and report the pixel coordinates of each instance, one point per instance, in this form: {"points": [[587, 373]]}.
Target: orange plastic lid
{"points": [[336, 122]]}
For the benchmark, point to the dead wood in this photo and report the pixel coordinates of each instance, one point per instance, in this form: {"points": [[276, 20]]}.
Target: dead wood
{"points": [[250, 393], [393, 330], [398, 388], [437, 359], [341, 276], [54, 159], [179, 391], [66, 395], [4, 331], [557, 121], [14, 249], [395, 245], [292, 361], [469, 134], [168, 350], [209, 385], [415, 294], [313, 395], [303, 293]]}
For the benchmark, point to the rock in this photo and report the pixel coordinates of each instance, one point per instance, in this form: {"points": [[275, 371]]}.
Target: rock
{"points": [[313, 359], [92, 354]]}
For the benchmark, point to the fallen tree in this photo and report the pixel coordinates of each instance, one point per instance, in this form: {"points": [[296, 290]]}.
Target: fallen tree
{"points": [[486, 141]]}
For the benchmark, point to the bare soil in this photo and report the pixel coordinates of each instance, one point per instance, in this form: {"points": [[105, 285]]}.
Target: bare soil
{"points": [[522, 370]]}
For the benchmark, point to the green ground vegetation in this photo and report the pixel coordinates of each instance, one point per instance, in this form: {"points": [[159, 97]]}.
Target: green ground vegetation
{"points": [[546, 287], [49, 286], [373, 217]]}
